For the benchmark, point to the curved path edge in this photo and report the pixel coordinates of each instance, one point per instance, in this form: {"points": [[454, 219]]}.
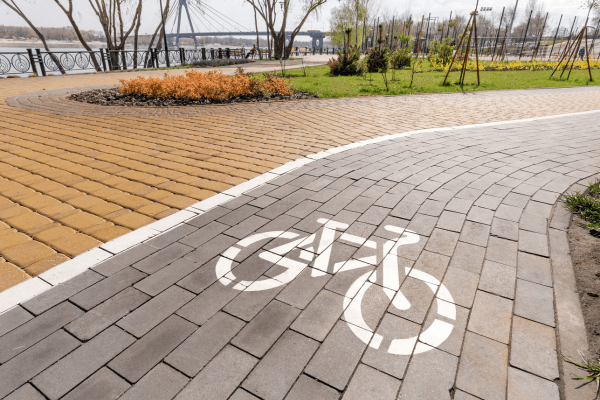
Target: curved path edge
{"points": [[570, 324], [571, 333]]}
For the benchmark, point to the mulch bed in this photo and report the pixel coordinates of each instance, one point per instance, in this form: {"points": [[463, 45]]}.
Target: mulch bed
{"points": [[112, 97], [585, 253]]}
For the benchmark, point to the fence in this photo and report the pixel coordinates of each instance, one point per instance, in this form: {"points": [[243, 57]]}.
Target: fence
{"points": [[42, 63]]}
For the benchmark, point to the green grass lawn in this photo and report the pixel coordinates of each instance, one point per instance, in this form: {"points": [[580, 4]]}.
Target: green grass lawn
{"points": [[319, 82]]}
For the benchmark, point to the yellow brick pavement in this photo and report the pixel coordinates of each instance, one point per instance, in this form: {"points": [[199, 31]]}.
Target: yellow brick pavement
{"points": [[72, 180]]}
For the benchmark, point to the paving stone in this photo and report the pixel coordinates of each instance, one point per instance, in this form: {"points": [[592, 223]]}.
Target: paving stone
{"points": [[533, 223], [262, 202], [147, 352], [468, 257], [475, 233], [422, 224], [498, 279], [533, 348], [343, 281], [259, 335], [431, 207], [161, 258], [491, 316], [368, 308], [425, 368], [270, 212], [460, 395], [197, 350], [310, 224], [204, 234], [34, 360], [451, 221], [453, 344], [480, 215], [104, 384], [104, 315], [12, 319], [524, 386], [281, 223], [162, 382], [338, 356], [25, 392], [405, 210], [502, 251], [505, 229], [238, 215], [442, 242], [210, 249], [544, 196], [167, 276], [221, 377], [536, 208], [535, 243], [320, 316], [458, 205], [535, 302], [59, 293], [509, 213], [374, 215], [106, 288], [483, 367], [324, 195], [249, 303], [63, 376], [20, 339], [124, 259], [307, 388], [275, 374], [380, 358], [389, 200], [487, 201], [372, 384], [171, 236], [534, 269], [208, 303], [237, 202], [303, 209], [332, 261], [153, 312], [241, 394], [300, 292], [516, 200], [433, 264], [214, 214], [462, 286], [419, 295]]}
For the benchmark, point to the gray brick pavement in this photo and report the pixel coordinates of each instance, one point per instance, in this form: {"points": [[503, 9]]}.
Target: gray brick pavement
{"points": [[456, 220]]}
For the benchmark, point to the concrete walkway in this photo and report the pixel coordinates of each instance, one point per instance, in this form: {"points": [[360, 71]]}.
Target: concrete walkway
{"points": [[74, 176], [431, 265]]}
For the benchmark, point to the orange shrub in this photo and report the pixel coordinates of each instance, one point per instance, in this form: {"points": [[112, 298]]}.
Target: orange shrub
{"points": [[211, 85]]}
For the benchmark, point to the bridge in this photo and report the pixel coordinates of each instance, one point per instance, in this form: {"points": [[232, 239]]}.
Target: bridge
{"points": [[317, 37], [210, 17]]}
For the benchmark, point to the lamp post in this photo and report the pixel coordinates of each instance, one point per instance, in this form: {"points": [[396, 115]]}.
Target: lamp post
{"points": [[162, 16]]}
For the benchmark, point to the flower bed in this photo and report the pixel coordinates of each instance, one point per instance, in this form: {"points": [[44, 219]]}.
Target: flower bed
{"points": [[211, 85]]}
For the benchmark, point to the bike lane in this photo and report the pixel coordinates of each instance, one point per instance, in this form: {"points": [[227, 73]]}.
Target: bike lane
{"points": [[411, 267]]}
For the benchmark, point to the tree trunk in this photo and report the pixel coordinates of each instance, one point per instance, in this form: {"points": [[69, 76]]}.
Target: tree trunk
{"points": [[257, 37], [69, 14], [39, 34]]}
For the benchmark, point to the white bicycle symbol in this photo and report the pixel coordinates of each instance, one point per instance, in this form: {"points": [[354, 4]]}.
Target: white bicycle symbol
{"points": [[320, 251]]}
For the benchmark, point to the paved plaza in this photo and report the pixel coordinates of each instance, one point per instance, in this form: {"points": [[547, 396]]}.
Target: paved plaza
{"points": [[74, 176], [425, 265]]}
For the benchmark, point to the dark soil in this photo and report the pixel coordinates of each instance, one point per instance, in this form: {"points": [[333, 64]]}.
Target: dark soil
{"points": [[585, 253], [112, 97]]}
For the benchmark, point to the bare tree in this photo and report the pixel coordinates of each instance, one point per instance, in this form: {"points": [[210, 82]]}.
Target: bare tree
{"points": [[267, 9], [68, 10], [111, 13], [14, 7]]}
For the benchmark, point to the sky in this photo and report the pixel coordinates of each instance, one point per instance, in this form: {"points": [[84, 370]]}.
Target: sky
{"points": [[240, 16]]}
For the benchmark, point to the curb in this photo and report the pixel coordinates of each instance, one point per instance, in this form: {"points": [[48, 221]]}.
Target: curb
{"points": [[570, 324], [69, 269]]}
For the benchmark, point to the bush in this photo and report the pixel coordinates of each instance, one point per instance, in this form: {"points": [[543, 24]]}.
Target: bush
{"points": [[441, 52], [206, 85], [378, 59], [401, 57], [347, 64]]}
